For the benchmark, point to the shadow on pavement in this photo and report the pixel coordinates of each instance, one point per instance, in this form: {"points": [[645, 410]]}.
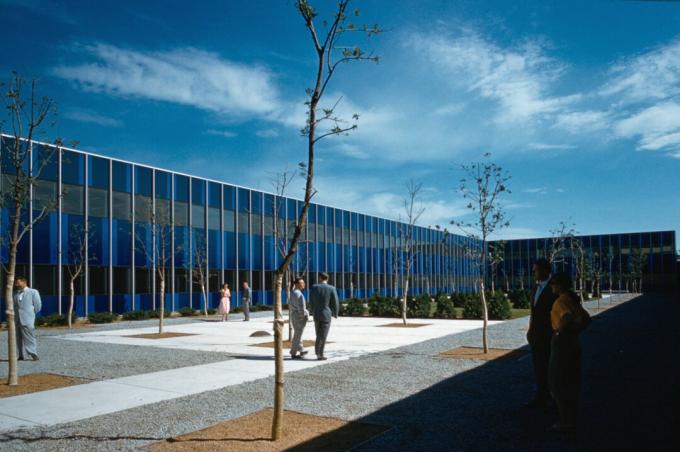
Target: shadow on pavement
{"points": [[629, 398]]}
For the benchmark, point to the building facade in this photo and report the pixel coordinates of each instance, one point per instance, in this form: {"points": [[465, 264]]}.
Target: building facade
{"points": [[642, 260], [125, 220]]}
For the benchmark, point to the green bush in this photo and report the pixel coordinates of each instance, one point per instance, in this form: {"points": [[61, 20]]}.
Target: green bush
{"points": [[261, 307], [136, 315], [102, 317], [420, 307], [519, 299], [458, 299], [472, 308], [379, 306], [354, 307], [499, 306], [212, 311], [156, 314], [445, 307], [186, 311], [54, 320]]}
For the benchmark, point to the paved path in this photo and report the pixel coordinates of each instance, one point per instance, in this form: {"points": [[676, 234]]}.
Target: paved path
{"points": [[350, 338]]}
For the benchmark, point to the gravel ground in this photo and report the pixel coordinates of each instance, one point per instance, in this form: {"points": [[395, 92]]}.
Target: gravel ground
{"points": [[433, 403]]}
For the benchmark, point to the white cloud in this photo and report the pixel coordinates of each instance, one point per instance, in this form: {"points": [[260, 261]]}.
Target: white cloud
{"points": [[653, 75], [657, 127], [512, 232], [351, 150], [517, 79], [267, 133], [92, 117], [185, 76], [578, 122], [537, 190], [449, 109], [221, 133], [548, 146]]}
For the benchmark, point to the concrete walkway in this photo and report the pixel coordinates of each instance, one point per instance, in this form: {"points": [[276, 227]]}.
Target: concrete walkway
{"points": [[349, 338]]}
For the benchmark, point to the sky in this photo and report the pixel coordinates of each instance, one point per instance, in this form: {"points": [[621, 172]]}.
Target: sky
{"points": [[579, 101]]}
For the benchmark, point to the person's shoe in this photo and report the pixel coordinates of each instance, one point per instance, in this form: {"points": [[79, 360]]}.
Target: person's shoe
{"points": [[35, 357], [304, 352], [295, 357], [321, 358], [21, 358]]}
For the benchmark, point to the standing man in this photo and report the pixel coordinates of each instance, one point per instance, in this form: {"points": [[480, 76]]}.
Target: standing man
{"points": [[298, 316], [26, 304], [246, 297], [540, 331], [324, 303]]}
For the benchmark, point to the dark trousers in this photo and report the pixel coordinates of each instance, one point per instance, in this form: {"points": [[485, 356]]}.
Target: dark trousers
{"points": [[541, 358], [565, 375], [322, 329], [246, 310]]}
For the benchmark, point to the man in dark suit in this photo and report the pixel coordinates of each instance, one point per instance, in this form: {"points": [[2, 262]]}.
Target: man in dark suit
{"points": [[540, 331], [323, 304]]}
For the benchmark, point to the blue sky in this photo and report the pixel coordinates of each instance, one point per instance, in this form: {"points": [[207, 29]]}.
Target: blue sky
{"points": [[579, 101]]}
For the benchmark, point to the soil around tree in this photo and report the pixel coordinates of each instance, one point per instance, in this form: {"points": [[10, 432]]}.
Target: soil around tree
{"points": [[303, 432], [288, 344], [37, 382], [160, 336], [401, 325], [478, 353]]}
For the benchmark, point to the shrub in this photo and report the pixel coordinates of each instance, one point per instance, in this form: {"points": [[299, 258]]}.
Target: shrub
{"points": [[472, 308], [420, 307], [499, 306], [102, 317], [151, 314], [136, 315], [458, 299], [261, 307], [379, 306], [445, 307], [186, 311], [212, 311], [354, 307], [519, 299], [54, 320]]}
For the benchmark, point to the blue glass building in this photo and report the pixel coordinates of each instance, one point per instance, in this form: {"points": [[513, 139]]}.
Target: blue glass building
{"points": [[226, 230]]}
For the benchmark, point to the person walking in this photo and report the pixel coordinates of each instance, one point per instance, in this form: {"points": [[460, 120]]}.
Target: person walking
{"points": [[298, 316], [27, 304], [225, 302], [568, 319], [246, 300], [324, 304], [540, 331]]}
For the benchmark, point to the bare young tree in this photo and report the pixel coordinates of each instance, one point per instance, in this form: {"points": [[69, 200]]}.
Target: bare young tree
{"points": [[578, 252], [79, 236], [496, 256], [638, 264], [559, 241], [27, 116], [326, 45], [483, 185], [198, 271], [413, 210]]}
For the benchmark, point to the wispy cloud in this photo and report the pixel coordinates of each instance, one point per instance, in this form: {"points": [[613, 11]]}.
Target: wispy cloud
{"points": [[548, 146], [579, 122], [536, 190], [657, 127], [185, 76], [267, 133], [221, 133], [92, 117], [518, 79]]}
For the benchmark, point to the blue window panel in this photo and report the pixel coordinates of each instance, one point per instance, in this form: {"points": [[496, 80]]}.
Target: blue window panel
{"points": [[214, 255], [143, 245], [163, 185], [50, 305], [122, 303], [73, 226], [311, 214], [181, 300], [256, 202], [230, 250], [45, 236], [181, 246], [98, 245], [143, 181], [198, 245], [244, 251], [269, 253], [144, 301], [311, 257], [269, 205], [229, 197], [98, 172], [198, 192], [122, 243], [45, 162], [243, 200], [122, 176], [291, 209], [214, 194], [181, 188], [321, 262], [99, 303], [73, 168]]}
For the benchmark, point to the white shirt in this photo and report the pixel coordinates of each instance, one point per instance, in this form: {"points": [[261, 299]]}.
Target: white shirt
{"points": [[539, 289]]}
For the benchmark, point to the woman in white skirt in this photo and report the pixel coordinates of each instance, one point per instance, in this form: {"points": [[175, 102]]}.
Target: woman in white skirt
{"points": [[225, 302]]}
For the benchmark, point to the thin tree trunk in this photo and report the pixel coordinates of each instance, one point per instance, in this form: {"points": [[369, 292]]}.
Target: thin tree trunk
{"points": [[485, 312], [277, 421], [12, 375], [162, 305], [205, 298], [404, 297], [71, 301]]}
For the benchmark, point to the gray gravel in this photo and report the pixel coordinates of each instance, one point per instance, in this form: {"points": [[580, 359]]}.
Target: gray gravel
{"points": [[366, 387]]}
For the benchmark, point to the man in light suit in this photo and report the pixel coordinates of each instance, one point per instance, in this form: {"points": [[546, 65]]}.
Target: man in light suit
{"points": [[26, 304], [298, 316], [324, 304], [540, 331], [246, 300]]}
